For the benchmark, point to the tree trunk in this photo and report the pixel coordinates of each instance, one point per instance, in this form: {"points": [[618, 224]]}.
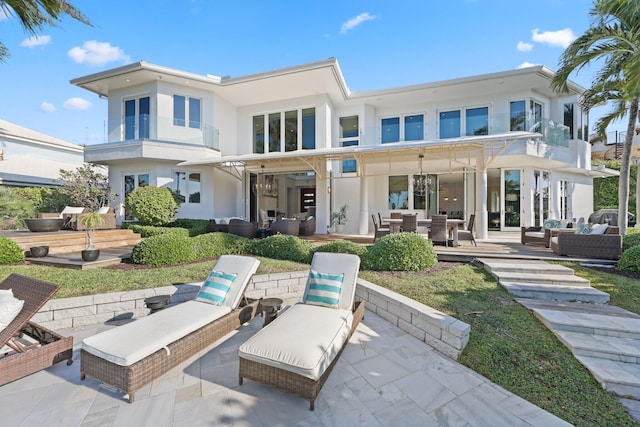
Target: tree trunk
{"points": [[623, 189]]}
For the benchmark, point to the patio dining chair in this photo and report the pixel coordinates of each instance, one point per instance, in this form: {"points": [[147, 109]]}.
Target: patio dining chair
{"points": [[438, 232], [378, 231], [409, 223], [468, 233]]}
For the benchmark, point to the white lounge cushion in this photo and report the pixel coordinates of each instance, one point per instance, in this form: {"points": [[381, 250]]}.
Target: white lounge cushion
{"points": [[129, 343], [10, 307], [72, 210], [304, 340], [536, 234]]}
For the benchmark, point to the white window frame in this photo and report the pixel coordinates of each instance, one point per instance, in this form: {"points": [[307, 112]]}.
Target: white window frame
{"points": [[187, 112], [182, 174], [401, 124]]}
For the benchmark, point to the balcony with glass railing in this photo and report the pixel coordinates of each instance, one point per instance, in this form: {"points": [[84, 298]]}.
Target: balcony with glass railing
{"points": [[164, 129]]}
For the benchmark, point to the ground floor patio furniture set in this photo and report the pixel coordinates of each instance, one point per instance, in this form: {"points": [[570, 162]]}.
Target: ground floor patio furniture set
{"points": [[67, 219], [601, 241], [294, 352], [305, 226], [441, 229]]}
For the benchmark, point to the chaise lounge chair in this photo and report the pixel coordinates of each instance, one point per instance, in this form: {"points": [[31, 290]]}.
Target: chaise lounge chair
{"points": [[297, 351], [131, 356], [26, 346]]}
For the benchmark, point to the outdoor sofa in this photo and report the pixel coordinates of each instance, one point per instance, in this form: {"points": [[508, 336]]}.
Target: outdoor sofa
{"points": [[70, 215], [27, 347], [602, 246], [297, 351], [542, 235], [131, 356]]}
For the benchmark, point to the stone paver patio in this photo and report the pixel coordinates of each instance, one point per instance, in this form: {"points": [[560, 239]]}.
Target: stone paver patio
{"points": [[384, 378]]}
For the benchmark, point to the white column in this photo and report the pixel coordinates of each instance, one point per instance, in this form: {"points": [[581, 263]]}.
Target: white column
{"points": [[482, 215], [363, 228]]}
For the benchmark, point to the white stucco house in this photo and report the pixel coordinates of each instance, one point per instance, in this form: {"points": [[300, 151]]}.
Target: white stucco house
{"points": [[502, 146], [33, 159]]}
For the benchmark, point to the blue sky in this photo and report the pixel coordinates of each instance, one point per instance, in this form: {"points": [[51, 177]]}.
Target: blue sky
{"points": [[379, 44]]}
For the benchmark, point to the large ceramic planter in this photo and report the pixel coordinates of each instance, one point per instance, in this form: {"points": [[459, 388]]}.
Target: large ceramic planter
{"points": [[44, 224], [89, 255], [39, 251]]}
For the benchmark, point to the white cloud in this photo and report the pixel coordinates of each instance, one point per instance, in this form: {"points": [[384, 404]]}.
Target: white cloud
{"points": [[561, 38], [76, 104], [36, 41], [525, 47], [96, 53], [47, 107], [526, 65], [354, 22]]}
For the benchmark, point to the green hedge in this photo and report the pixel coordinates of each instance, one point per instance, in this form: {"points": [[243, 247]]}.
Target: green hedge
{"points": [[401, 252], [216, 244], [630, 259], [150, 230], [10, 252], [283, 246], [342, 247], [196, 227], [163, 249], [630, 240]]}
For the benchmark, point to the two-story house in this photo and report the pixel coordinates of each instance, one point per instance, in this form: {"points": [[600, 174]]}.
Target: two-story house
{"points": [[502, 146]]}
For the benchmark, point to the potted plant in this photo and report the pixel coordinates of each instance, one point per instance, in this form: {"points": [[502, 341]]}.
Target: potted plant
{"points": [[90, 221], [338, 219]]}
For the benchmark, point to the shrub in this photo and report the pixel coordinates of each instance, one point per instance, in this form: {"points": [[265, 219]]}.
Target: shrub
{"points": [[10, 252], [283, 246], [630, 259], [630, 240], [341, 247], [164, 249], [150, 230], [216, 244], [152, 205], [195, 226], [400, 252]]}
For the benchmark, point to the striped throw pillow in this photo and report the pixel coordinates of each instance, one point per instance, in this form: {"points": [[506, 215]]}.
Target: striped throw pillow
{"points": [[324, 289], [214, 290]]}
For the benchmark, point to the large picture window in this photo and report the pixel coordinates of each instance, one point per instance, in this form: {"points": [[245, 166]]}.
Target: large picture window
{"points": [[187, 186], [477, 121], [450, 124], [399, 192], [136, 118], [517, 116], [405, 128]]}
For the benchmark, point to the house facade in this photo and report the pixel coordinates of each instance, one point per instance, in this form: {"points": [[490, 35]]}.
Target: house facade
{"points": [[33, 159], [502, 146]]}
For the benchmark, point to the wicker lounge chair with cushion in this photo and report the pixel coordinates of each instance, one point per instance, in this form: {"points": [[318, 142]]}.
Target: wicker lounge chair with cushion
{"points": [[601, 246], [70, 215], [27, 347], [297, 351], [133, 355]]}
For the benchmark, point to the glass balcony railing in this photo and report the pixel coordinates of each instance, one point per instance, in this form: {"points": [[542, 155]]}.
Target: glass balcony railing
{"points": [[164, 129]]}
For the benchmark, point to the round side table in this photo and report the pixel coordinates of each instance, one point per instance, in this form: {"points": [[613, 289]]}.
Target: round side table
{"points": [[157, 302], [269, 308]]}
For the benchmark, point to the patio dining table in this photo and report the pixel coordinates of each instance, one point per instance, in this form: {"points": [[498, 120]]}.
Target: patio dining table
{"points": [[452, 226]]}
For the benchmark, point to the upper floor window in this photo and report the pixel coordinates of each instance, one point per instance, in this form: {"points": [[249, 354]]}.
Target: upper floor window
{"points": [[568, 119], [184, 107], [136, 118], [517, 116], [412, 128], [450, 124], [477, 121], [349, 136], [187, 186], [296, 128]]}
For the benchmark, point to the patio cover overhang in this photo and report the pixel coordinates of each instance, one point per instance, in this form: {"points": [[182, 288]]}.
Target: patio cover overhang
{"points": [[450, 154]]}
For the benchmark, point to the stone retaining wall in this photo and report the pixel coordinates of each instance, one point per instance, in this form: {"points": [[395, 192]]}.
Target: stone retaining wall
{"points": [[443, 332]]}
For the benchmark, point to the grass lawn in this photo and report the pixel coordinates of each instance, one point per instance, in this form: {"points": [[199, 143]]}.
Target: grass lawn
{"points": [[507, 345]]}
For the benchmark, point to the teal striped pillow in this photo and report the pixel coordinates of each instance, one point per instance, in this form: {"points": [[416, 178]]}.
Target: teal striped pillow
{"points": [[214, 290], [324, 289]]}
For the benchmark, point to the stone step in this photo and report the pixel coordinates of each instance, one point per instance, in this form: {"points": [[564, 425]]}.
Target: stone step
{"points": [[589, 323], [524, 266], [600, 346], [556, 293], [620, 378], [541, 278]]}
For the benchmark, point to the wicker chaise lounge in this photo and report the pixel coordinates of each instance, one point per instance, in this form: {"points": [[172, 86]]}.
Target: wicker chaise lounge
{"points": [[131, 356], [31, 346], [297, 351]]}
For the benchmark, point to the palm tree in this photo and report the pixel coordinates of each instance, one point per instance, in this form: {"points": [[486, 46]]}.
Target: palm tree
{"points": [[613, 39], [35, 14]]}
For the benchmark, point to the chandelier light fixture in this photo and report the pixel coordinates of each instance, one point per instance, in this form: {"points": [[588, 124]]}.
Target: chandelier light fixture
{"points": [[421, 182], [265, 185]]}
